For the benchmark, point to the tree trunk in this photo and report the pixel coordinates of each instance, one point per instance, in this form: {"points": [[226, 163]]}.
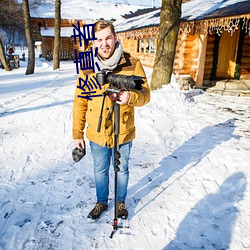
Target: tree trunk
{"points": [[168, 34], [3, 57], [56, 59], [29, 38]]}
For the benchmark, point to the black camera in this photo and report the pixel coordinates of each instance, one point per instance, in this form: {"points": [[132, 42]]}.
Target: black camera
{"points": [[78, 153], [119, 81]]}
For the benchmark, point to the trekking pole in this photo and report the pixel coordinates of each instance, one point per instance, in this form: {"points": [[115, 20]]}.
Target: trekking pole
{"points": [[117, 156]]}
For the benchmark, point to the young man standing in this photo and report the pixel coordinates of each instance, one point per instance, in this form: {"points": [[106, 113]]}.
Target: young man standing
{"points": [[110, 56]]}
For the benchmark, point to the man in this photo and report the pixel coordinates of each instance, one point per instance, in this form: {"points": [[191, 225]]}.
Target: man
{"points": [[110, 57]]}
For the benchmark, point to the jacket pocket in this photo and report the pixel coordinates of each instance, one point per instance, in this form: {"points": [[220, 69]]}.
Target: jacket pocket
{"points": [[127, 120]]}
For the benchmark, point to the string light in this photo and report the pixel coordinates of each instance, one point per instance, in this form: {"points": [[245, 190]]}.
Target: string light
{"points": [[218, 25]]}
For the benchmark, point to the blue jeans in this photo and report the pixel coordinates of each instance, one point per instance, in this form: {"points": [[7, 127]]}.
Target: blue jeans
{"points": [[102, 158]]}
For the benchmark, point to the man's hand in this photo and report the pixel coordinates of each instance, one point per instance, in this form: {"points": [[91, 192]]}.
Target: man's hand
{"points": [[79, 143], [123, 97]]}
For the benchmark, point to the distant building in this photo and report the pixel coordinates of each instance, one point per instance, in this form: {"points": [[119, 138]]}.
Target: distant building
{"points": [[86, 12]]}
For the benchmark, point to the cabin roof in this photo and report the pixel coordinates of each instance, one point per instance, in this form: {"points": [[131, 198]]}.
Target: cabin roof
{"points": [[208, 9], [194, 10]]}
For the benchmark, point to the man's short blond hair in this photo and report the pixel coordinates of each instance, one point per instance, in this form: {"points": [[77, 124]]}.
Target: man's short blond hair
{"points": [[103, 24]]}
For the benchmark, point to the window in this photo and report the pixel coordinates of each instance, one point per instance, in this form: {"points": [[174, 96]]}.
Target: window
{"points": [[146, 45]]}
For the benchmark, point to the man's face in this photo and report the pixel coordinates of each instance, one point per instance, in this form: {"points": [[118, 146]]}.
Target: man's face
{"points": [[105, 43]]}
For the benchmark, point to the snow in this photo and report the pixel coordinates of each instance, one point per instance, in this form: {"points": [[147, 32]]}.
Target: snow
{"points": [[189, 169], [156, 3], [86, 10], [65, 31], [145, 20]]}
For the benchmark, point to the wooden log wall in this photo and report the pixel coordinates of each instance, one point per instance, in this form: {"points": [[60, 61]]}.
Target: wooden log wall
{"points": [[129, 45], [146, 59], [132, 46], [190, 56], [187, 50], [179, 60], [47, 45], [65, 46], [186, 55]]}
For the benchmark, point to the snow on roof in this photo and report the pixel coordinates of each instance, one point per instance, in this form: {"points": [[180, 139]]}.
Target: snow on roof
{"points": [[197, 9], [145, 20], [85, 10], [192, 10], [65, 31], [139, 2]]}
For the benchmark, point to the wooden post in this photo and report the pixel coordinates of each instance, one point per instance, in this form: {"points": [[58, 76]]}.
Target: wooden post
{"points": [[144, 45], [140, 42], [201, 60]]}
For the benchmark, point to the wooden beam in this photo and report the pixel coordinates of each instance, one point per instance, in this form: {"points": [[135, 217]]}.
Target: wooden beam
{"points": [[201, 60]]}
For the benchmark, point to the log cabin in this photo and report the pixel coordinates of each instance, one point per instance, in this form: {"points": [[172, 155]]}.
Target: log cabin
{"points": [[213, 41], [43, 30]]}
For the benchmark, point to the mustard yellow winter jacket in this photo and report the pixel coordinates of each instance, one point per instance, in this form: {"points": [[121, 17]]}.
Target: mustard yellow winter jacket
{"points": [[88, 111]]}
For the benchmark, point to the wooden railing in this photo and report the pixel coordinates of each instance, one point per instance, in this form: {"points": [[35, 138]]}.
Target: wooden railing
{"points": [[63, 55]]}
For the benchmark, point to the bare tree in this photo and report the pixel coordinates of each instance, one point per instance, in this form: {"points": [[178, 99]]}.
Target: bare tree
{"points": [[3, 57], [11, 17], [168, 34], [34, 4], [56, 59], [29, 38], [11, 24]]}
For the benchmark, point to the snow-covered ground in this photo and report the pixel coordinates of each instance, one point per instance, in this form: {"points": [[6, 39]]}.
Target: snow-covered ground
{"points": [[189, 170]]}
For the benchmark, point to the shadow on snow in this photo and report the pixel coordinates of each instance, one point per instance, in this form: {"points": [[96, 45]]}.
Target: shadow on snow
{"points": [[209, 215], [190, 153], [210, 223]]}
